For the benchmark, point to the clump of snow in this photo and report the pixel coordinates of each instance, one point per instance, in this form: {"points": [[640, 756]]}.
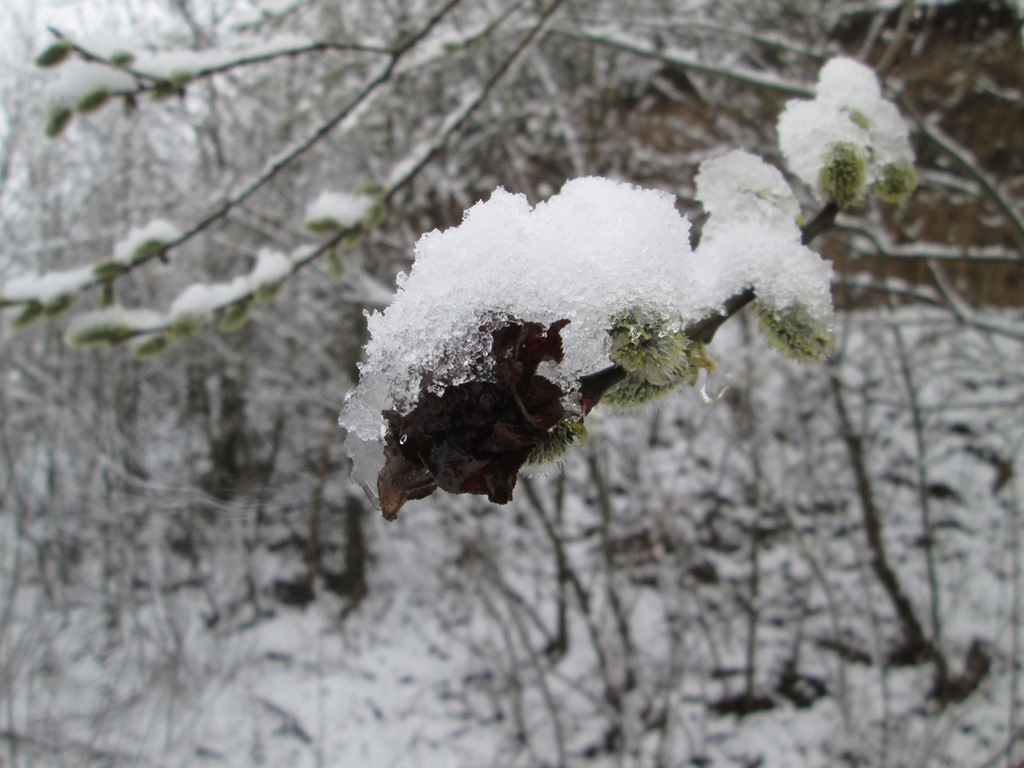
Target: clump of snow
{"points": [[46, 287], [117, 316], [271, 267], [807, 132], [594, 250], [848, 109], [77, 79], [752, 240], [339, 210], [140, 239], [204, 298], [847, 83], [174, 64], [741, 186]]}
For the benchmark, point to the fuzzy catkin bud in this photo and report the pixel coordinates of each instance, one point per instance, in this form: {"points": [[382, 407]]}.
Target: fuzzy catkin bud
{"points": [[58, 120], [185, 325], [54, 54], [99, 334], [122, 58], [333, 264], [235, 317], [108, 270], [59, 305], [898, 182], [29, 312], [795, 333], [150, 347], [147, 249], [265, 292], [844, 174], [561, 438], [93, 101], [635, 391], [649, 348]]}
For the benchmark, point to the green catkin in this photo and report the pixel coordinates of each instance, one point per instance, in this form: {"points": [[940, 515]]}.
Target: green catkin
{"points": [[648, 347], [562, 437], [333, 264], [108, 270], [54, 54], [164, 90], [107, 294], [325, 226], [100, 334], [185, 325], [147, 249], [635, 391], [235, 317], [29, 312], [93, 101], [898, 182], [59, 305], [59, 119], [150, 348], [122, 58], [795, 333], [267, 291], [844, 175], [860, 119]]}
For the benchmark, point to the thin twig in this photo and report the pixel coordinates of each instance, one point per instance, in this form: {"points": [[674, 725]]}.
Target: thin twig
{"points": [[691, 61], [900, 36], [912, 631]]}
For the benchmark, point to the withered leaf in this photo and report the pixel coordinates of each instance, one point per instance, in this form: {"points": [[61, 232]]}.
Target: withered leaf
{"points": [[475, 436]]}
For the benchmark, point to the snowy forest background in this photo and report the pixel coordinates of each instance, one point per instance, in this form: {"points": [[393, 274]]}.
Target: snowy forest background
{"points": [[821, 569]]}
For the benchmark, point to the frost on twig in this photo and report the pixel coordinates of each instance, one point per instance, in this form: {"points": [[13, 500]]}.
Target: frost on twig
{"points": [[512, 326]]}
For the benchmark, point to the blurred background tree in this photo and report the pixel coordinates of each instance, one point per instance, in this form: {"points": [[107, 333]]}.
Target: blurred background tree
{"points": [[831, 556]]}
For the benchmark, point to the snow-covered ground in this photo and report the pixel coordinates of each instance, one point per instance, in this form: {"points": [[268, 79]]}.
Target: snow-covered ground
{"points": [[708, 565]]}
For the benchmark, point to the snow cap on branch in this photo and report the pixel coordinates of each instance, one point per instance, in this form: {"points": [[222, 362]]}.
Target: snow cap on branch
{"points": [[142, 242], [752, 240], [111, 325], [513, 325], [46, 287], [333, 211], [76, 80], [203, 299], [271, 268], [595, 250]]}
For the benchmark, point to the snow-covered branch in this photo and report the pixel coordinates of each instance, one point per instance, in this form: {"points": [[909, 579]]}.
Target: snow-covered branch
{"points": [[690, 60]]}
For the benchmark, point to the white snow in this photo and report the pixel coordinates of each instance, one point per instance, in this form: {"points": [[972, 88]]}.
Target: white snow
{"points": [[808, 129], [158, 230], [848, 108], [844, 82], [596, 249], [740, 185], [76, 79], [752, 238], [589, 253], [271, 267], [204, 298], [47, 286], [117, 315], [343, 208]]}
